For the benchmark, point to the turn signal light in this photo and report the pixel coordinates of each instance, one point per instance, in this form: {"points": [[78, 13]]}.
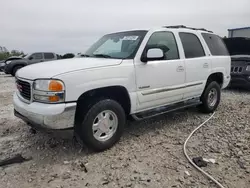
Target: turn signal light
{"points": [[55, 85]]}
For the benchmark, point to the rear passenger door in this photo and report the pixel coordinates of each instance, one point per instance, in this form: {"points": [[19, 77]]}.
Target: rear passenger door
{"points": [[49, 56], [197, 65]]}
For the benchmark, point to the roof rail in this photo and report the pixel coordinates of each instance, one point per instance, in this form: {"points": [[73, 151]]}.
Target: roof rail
{"points": [[185, 27]]}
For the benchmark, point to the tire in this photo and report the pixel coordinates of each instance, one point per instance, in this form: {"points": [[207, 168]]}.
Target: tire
{"points": [[15, 69], [103, 110], [208, 104]]}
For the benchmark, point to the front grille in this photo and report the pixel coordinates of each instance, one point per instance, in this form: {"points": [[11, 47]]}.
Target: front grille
{"points": [[236, 69], [23, 88]]}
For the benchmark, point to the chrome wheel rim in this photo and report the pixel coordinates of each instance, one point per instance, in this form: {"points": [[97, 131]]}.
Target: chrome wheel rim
{"points": [[212, 97], [105, 125]]}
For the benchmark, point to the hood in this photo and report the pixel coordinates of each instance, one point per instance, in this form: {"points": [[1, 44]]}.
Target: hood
{"points": [[238, 45], [240, 57], [17, 60], [12, 58], [52, 68]]}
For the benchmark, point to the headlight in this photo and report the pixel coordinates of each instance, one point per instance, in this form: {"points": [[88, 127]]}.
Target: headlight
{"points": [[50, 91], [248, 68], [8, 62]]}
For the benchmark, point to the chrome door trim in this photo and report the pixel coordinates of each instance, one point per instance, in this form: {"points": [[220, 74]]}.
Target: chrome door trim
{"points": [[160, 90]]}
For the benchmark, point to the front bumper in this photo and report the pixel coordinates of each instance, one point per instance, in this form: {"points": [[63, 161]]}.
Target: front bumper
{"points": [[50, 116], [2, 65], [242, 81], [7, 69]]}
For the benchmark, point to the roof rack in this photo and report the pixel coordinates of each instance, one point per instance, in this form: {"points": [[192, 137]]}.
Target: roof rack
{"points": [[185, 27]]}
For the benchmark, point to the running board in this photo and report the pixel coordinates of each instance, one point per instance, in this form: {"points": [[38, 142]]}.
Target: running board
{"points": [[166, 109]]}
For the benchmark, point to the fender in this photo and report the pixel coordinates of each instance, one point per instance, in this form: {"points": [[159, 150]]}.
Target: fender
{"points": [[17, 62], [80, 82]]}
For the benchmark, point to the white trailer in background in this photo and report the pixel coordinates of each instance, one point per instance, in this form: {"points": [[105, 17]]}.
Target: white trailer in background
{"points": [[239, 32]]}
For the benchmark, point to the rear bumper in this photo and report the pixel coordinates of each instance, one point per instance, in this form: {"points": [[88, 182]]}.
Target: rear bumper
{"points": [[49, 116], [240, 81]]}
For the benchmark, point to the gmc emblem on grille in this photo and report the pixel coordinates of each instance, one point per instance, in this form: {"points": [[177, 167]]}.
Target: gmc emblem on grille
{"points": [[19, 87]]}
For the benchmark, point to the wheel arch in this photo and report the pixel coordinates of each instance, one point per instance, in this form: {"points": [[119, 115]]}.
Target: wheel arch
{"points": [[216, 76], [22, 64], [117, 92]]}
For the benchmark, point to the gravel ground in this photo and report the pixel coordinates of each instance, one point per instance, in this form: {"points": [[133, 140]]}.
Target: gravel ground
{"points": [[149, 154]]}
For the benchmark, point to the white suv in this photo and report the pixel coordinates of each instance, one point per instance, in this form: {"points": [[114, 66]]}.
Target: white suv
{"points": [[139, 73]]}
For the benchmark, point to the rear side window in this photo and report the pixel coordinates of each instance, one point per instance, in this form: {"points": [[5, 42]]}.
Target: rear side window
{"points": [[192, 45], [48, 55], [215, 44]]}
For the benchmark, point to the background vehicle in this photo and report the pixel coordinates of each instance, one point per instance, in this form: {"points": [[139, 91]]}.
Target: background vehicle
{"points": [[140, 73], [239, 49], [2, 65], [15, 63]]}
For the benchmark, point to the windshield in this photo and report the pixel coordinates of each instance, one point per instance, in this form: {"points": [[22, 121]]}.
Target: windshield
{"points": [[238, 45], [123, 45], [26, 56]]}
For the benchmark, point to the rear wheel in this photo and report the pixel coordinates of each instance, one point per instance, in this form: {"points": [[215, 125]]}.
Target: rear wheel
{"points": [[211, 97], [102, 125], [15, 69]]}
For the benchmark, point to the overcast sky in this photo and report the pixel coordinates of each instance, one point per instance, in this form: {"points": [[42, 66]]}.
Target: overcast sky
{"points": [[73, 25]]}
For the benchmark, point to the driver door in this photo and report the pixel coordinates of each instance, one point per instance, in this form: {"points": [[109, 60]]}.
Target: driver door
{"points": [[36, 58], [160, 82]]}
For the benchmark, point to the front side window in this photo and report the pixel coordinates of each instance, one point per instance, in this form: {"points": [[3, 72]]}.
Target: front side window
{"points": [[123, 45], [191, 45], [37, 56], [166, 41]]}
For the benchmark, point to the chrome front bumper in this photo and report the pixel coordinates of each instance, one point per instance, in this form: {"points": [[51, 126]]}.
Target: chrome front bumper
{"points": [[51, 116]]}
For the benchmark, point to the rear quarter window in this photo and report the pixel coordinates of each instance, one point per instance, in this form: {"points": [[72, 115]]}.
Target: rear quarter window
{"points": [[215, 44], [49, 56]]}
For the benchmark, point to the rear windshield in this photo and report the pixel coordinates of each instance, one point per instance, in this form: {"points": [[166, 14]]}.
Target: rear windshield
{"points": [[238, 45], [215, 44]]}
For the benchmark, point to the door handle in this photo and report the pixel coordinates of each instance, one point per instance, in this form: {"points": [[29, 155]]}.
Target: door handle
{"points": [[180, 69], [205, 65]]}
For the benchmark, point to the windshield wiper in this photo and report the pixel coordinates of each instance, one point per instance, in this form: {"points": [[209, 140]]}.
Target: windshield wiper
{"points": [[101, 55]]}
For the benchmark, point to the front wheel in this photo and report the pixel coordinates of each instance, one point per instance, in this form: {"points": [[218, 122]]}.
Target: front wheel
{"points": [[211, 97], [103, 125]]}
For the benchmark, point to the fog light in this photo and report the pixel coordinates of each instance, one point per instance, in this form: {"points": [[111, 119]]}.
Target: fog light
{"points": [[41, 98], [54, 98]]}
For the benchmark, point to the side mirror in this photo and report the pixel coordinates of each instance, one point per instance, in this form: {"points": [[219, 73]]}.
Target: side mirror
{"points": [[154, 54], [30, 58]]}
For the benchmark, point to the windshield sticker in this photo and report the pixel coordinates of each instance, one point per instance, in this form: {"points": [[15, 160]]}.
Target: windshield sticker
{"points": [[130, 38]]}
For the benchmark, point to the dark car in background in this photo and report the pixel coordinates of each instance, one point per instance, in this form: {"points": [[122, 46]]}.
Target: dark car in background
{"points": [[239, 49], [2, 62], [13, 65], [2, 65]]}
